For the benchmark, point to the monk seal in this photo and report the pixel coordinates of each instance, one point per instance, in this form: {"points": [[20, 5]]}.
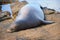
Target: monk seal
{"points": [[30, 15]]}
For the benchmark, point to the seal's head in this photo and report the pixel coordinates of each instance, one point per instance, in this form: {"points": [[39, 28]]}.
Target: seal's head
{"points": [[12, 28]]}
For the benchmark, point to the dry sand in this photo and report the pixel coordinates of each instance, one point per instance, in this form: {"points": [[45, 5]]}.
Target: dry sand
{"points": [[44, 32]]}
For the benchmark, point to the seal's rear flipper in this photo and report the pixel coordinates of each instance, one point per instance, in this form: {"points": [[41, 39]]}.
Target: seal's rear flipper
{"points": [[47, 22]]}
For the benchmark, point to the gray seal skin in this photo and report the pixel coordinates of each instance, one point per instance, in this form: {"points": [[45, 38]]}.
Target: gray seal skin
{"points": [[30, 15]]}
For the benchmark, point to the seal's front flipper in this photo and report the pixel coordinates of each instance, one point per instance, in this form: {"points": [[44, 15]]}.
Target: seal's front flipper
{"points": [[47, 22]]}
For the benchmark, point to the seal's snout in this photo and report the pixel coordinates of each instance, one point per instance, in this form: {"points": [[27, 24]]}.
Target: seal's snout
{"points": [[10, 30]]}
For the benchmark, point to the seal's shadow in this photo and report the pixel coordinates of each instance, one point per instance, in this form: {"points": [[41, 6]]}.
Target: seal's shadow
{"points": [[23, 28]]}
